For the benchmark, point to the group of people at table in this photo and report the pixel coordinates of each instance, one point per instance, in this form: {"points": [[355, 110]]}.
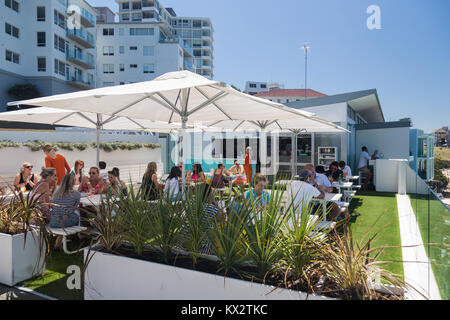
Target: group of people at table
{"points": [[60, 187]]}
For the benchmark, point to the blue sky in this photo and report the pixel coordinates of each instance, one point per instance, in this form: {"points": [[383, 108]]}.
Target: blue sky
{"points": [[407, 60]]}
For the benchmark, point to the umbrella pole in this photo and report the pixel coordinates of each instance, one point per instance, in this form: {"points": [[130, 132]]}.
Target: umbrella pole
{"points": [[97, 133], [294, 154], [183, 160]]}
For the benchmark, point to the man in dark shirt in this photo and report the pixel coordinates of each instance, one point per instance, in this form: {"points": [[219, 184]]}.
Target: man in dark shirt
{"points": [[334, 172]]}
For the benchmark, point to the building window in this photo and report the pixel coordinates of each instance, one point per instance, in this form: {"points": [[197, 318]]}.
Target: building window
{"points": [[41, 64], [142, 31], [121, 83], [108, 84], [133, 66], [121, 67], [60, 44], [252, 85], [125, 6], [40, 12], [60, 20], [149, 68], [12, 4], [197, 24], [148, 15], [148, 3], [41, 39], [108, 31], [121, 49], [11, 30], [136, 17], [108, 50], [108, 68], [133, 48], [263, 86], [12, 57], [60, 67], [149, 51], [126, 17], [137, 5]]}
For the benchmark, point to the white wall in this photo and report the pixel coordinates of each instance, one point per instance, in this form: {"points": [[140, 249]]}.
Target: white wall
{"points": [[393, 143]]}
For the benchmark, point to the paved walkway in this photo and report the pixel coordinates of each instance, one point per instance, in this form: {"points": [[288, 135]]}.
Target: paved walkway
{"points": [[416, 266], [11, 293]]}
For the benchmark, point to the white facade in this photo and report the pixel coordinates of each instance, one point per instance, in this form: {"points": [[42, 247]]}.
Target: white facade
{"points": [[130, 52], [42, 42], [254, 87], [194, 36]]}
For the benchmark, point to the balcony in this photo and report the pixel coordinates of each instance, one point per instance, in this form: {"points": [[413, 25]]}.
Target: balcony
{"points": [[79, 58], [85, 18], [188, 66], [78, 81], [187, 48], [81, 37]]}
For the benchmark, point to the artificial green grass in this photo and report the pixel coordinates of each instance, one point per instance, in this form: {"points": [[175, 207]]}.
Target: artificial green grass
{"points": [[433, 219], [53, 282], [371, 205]]}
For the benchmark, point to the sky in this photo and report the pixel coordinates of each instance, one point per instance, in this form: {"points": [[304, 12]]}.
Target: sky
{"points": [[407, 60]]}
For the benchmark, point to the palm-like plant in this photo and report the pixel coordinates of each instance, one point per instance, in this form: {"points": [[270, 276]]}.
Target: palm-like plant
{"points": [[227, 237], [263, 241]]}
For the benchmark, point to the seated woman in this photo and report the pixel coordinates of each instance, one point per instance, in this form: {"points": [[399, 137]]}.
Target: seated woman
{"points": [[94, 183], [237, 170], [197, 173], [43, 192], [116, 186], [334, 172], [77, 171], [26, 179], [172, 187], [151, 188], [65, 202], [257, 196], [218, 178]]}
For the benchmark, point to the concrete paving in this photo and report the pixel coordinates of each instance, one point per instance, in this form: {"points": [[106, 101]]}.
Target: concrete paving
{"points": [[11, 293]]}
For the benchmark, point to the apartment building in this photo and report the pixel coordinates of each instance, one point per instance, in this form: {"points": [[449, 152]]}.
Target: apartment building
{"points": [[49, 43], [254, 87], [289, 95], [149, 40]]}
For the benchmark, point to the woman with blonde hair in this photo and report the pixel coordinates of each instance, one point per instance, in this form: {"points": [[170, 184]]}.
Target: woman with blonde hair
{"points": [[65, 203], [150, 185], [25, 178], [43, 189]]}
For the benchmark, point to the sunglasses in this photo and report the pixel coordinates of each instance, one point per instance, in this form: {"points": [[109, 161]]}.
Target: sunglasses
{"points": [[29, 167], [92, 173]]}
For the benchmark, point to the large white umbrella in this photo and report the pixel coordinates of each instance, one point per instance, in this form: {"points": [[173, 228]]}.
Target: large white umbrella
{"points": [[92, 120], [180, 96]]}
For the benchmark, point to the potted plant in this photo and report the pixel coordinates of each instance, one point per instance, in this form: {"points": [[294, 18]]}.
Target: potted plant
{"points": [[23, 238], [156, 250]]}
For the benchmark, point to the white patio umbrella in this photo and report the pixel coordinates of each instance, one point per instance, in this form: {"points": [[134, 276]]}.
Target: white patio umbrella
{"points": [[86, 120], [180, 96]]}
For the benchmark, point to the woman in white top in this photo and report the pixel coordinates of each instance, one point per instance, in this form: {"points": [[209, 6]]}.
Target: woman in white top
{"points": [[172, 187]]}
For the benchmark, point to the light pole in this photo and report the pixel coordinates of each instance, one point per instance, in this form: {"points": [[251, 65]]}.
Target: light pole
{"points": [[306, 48]]}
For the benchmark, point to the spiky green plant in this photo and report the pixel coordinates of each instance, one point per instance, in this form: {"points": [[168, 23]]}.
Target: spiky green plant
{"points": [[263, 233]]}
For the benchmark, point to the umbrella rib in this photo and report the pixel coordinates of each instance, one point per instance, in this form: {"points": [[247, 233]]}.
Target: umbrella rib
{"points": [[213, 124], [164, 105], [239, 125], [211, 100], [132, 104], [137, 123], [110, 119], [84, 116], [166, 100], [278, 125], [214, 104], [65, 117]]}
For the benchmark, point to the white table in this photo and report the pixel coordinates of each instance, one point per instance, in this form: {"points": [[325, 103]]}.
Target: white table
{"points": [[329, 197], [92, 200], [344, 185]]}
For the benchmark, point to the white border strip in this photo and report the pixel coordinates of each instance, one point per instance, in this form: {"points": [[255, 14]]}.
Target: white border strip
{"points": [[28, 290], [416, 266]]}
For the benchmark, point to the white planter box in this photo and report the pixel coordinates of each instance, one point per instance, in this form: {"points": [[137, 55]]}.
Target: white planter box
{"points": [[119, 278], [19, 262]]}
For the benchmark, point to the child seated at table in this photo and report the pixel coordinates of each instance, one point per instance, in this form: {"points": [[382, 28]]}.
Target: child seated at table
{"points": [[257, 195]]}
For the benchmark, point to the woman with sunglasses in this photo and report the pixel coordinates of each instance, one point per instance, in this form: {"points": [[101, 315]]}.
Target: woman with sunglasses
{"points": [[93, 184], [26, 179]]}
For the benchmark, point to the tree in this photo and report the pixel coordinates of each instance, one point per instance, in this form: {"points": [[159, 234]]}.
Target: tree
{"points": [[236, 88]]}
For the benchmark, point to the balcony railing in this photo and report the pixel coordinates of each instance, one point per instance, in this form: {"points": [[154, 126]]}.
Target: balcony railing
{"points": [[180, 41], [81, 37], [189, 66], [86, 19], [81, 59], [78, 80]]}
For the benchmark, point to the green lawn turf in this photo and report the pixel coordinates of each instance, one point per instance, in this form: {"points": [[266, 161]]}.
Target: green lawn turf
{"points": [[434, 224], [371, 205], [54, 281]]}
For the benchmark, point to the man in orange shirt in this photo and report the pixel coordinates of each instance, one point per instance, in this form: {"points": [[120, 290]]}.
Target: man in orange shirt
{"points": [[57, 161]]}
